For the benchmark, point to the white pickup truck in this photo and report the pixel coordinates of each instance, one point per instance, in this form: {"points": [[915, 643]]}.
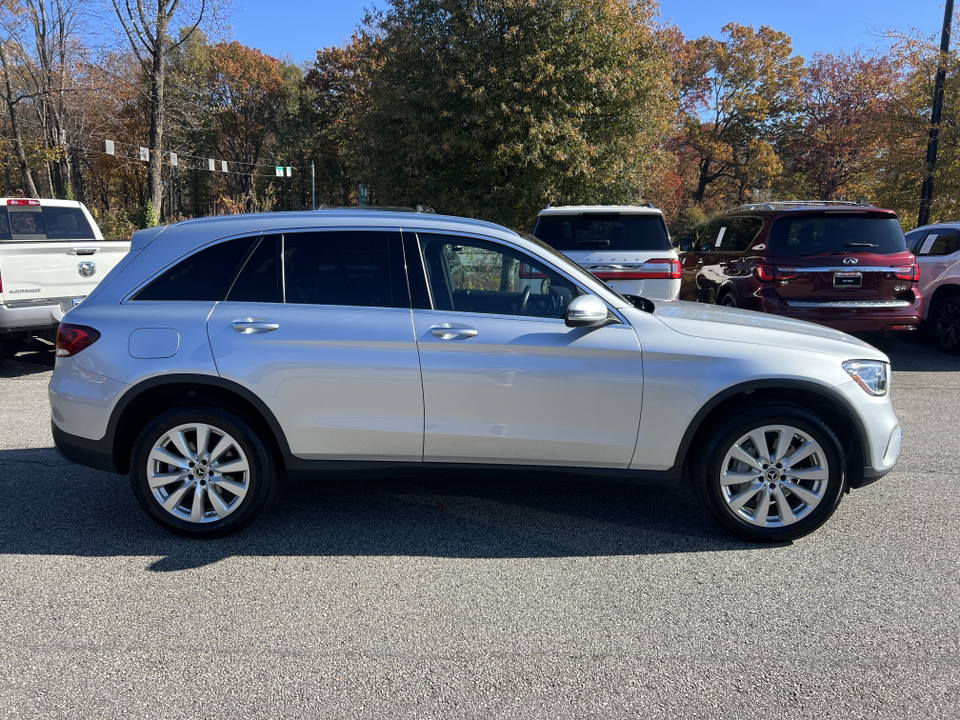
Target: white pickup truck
{"points": [[52, 255]]}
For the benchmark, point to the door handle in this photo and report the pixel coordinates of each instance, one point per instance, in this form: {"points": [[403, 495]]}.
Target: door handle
{"points": [[449, 331], [251, 326]]}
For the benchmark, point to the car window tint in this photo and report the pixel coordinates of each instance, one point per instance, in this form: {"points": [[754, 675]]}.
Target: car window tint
{"points": [[743, 231], [939, 242], [259, 279], [604, 231], [358, 268], [467, 275], [203, 276], [914, 239], [709, 237], [838, 233]]}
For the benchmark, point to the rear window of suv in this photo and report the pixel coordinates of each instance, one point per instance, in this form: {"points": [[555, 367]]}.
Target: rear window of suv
{"points": [[838, 233], [607, 231], [43, 223]]}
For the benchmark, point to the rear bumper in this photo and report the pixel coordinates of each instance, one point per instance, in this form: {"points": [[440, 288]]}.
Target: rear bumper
{"points": [[83, 451], [880, 317], [28, 315]]}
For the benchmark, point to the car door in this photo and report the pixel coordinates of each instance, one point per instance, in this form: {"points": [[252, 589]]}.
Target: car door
{"points": [[504, 379], [318, 325], [938, 256]]}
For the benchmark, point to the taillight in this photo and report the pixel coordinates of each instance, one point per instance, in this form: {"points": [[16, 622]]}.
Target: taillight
{"points": [[654, 269], [71, 339], [769, 273], [528, 273], [23, 203], [911, 273]]}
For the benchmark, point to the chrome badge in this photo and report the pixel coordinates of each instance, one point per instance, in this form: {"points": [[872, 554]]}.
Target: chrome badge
{"points": [[87, 268], [850, 260]]}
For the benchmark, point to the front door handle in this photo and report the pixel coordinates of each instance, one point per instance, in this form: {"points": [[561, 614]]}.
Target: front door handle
{"points": [[250, 326], [451, 331]]}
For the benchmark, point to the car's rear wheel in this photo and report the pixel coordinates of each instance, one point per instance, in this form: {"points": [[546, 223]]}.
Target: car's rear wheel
{"points": [[201, 471], [947, 326], [729, 300], [772, 473]]}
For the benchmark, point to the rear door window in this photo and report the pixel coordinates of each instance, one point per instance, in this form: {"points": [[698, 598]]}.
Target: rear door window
{"points": [[939, 243], [838, 233], [604, 231]]}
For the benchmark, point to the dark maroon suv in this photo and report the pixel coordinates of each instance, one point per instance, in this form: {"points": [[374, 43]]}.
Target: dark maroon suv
{"points": [[844, 265]]}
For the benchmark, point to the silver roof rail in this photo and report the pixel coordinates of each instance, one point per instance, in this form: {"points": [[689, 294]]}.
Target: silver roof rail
{"points": [[777, 204]]}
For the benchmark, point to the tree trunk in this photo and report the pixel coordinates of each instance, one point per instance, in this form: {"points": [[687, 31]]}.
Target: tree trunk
{"points": [[31, 189]]}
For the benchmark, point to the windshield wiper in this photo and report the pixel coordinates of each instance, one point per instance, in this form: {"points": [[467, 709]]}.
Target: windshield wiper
{"points": [[861, 245]]}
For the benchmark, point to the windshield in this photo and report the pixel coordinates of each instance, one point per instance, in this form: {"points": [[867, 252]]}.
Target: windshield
{"points": [[604, 231], [839, 233]]}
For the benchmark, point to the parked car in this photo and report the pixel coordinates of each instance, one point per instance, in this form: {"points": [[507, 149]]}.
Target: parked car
{"points": [[223, 353], [839, 264], [937, 249], [51, 256], [626, 246]]}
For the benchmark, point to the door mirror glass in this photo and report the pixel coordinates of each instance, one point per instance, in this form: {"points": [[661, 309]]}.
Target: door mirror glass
{"points": [[686, 245], [586, 311]]}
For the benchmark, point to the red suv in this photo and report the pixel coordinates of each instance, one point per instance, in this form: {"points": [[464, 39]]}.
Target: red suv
{"points": [[839, 264]]}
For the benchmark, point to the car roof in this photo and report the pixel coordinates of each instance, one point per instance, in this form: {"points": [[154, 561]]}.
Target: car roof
{"points": [[944, 224], [44, 202], [587, 209], [804, 206]]}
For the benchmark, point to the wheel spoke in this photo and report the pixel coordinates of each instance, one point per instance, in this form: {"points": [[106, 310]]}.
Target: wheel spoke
{"points": [[173, 500], [219, 506], [231, 466], [783, 507], [203, 437], [740, 499], [161, 454], [196, 510], [224, 444], [785, 437], [760, 442], [238, 489], [810, 498], [814, 473], [762, 511], [157, 480], [743, 456], [803, 452], [179, 440], [729, 477]]}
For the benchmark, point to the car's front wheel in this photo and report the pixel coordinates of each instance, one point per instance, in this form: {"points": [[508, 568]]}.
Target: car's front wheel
{"points": [[772, 473], [201, 471]]}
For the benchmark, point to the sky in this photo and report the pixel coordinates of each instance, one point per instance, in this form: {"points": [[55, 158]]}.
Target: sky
{"points": [[294, 29]]}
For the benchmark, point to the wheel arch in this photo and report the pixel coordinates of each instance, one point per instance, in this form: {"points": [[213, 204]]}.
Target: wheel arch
{"points": [[149, 398], [939, 295], [830, 407]]}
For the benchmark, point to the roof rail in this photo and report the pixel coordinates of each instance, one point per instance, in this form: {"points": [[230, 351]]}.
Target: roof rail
{"points": [[776, 204], [383, 208]]}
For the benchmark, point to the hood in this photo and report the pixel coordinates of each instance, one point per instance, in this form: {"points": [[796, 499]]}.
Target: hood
{"points": [[716, 322]]}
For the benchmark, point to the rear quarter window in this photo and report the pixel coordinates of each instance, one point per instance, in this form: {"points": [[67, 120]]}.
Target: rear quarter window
{"points": [[603, 231], [202, 276]]}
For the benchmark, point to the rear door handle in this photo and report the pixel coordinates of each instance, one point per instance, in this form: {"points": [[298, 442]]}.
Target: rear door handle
{"points": [[451, 331], [251, 326]]}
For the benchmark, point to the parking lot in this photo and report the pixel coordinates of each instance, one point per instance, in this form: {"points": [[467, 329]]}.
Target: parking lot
{"points": [[466, 599]]}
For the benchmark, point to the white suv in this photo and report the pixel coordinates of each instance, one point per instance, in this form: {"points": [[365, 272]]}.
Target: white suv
{"points": [[225, 352], [937, 248], [627, 246], [51, 256]]}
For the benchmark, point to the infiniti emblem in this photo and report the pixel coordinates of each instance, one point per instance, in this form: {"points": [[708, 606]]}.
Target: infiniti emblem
{"points": [[87, 268], [851, 261]]}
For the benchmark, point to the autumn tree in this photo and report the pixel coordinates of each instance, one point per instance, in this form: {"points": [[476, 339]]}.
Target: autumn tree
{"points": [[837, 141], [495, 108], [740, 89]]}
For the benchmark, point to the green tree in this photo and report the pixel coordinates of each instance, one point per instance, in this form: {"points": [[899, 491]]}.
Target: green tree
{"points": [[494, 108]]}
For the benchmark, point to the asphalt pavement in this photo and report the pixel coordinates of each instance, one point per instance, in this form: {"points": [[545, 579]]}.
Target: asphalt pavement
{"points": [[463, 599]]}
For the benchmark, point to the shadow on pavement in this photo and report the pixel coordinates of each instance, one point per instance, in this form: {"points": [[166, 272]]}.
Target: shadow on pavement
{"points": [[48, 506], [26, 358], [916, 353]]}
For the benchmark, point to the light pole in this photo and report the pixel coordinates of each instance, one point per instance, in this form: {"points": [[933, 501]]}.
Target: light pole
{"points": [[926, 193]]}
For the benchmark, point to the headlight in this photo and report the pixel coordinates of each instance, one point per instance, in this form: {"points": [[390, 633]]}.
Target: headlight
{"points": [[872, 375]]}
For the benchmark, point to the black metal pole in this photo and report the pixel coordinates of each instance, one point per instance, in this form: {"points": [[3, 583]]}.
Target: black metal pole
{"points": [[933, 144]]}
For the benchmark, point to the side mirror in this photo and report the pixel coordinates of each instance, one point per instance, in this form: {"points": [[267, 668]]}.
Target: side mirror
{"points": [[586, 311], [686, 245]]}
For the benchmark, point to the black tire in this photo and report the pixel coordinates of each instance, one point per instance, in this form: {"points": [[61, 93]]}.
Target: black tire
{"points": [[773, 503], [729, 300], [202, 502], [946, 326]]}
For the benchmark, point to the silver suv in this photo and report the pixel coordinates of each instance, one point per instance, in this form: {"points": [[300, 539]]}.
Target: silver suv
{"points": [[223, 353]]}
